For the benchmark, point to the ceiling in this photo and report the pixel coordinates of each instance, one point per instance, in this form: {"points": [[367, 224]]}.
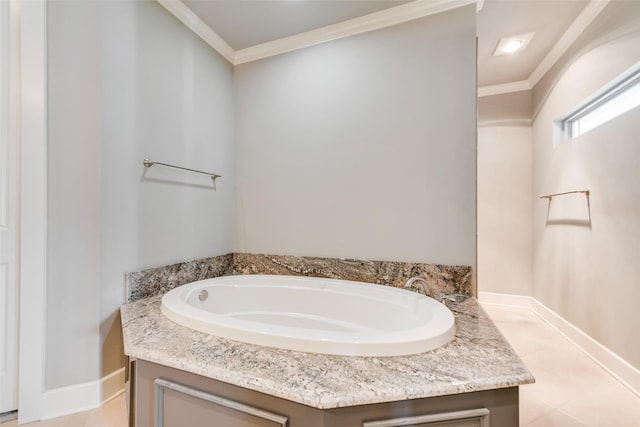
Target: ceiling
{"points": [[246, 23], [243, 24], [549, 19]]}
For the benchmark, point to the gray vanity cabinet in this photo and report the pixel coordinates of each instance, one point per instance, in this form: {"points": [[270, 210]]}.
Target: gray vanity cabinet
{"points": [[177, 405], [167, 397]]}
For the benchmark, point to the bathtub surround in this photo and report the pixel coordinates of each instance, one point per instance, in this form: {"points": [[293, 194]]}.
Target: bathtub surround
{"points": [[156, 281], [478, 367], [477, 359], [443, 278]]}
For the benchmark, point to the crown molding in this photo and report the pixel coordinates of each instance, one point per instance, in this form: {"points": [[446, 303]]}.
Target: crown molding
{"points": [[577, 27], [378, 20], [373, 21], [584, 19], [504, 88], [197, 25], [505, 123]]}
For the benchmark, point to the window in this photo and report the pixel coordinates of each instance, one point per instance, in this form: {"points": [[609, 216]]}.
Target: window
{"points": [[617, 98]]}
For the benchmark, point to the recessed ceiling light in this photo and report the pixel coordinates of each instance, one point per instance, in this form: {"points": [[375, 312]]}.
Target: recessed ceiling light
{"points": [[512, 46], [509, 45]]}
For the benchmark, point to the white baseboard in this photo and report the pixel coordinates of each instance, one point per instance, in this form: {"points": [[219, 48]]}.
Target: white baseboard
{"points": [[607, 359], [510, 300], [82, 397]]}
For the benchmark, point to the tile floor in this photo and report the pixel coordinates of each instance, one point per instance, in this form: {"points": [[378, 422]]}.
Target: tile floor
{"points": [[571, 390], [111, 414]]}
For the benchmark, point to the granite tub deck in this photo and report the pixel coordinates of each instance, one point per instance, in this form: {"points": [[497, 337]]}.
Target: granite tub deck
{"points": [[478, 359]]}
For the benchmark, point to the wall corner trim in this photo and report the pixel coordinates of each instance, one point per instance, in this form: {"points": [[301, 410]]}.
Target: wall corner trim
{"points": [[197, 25], [619, 368], [32, 22], [82, 397], [500, 89], [577, 27]]}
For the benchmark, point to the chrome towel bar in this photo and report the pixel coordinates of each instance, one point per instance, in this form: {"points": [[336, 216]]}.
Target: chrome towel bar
{"points": [[148, 163]]}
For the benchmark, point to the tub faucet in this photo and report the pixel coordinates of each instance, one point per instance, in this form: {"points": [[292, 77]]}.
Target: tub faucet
{"points": [[424, 285]]}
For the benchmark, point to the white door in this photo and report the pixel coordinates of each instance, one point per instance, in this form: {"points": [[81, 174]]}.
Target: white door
{"points": [[8, 226]]}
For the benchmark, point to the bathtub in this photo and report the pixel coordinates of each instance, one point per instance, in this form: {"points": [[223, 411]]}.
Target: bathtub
{"points": [[316, 315]]}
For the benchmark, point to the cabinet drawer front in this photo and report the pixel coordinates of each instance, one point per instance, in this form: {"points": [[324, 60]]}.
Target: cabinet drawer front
{"points": [[177, 405], [468, 418]]}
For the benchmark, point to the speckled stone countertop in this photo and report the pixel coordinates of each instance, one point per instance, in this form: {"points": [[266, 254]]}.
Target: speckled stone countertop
{"points": [[479, 358]]}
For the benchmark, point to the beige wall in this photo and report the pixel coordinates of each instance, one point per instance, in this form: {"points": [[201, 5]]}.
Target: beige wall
{"points": [[507, 109], [586, 250], [363, 147], [504, 207]]}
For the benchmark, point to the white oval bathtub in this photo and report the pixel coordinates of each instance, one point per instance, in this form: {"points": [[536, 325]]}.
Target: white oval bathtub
{"points": [[310, 314]]}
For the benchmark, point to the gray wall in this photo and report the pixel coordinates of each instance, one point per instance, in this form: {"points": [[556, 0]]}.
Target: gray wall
{"points": [[585, 251], [362, 147], [127, 81]]}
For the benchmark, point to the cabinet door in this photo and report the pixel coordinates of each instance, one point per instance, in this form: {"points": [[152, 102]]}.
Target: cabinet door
{"points": [[467, 418], [177, 405]]}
